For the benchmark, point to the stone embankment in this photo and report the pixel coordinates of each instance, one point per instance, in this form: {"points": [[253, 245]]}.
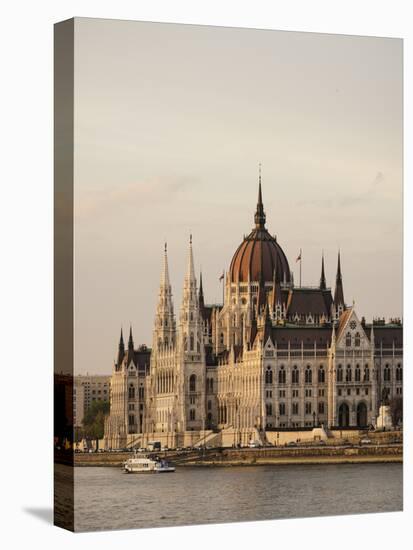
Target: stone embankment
{"points": [[243, 457]]}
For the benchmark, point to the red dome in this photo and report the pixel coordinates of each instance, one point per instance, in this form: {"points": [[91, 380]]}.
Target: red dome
{"points": [[256, 259], [259, 255]]}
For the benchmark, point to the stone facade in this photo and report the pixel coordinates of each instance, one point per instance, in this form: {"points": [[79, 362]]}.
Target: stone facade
{"points": [[273, 356]]}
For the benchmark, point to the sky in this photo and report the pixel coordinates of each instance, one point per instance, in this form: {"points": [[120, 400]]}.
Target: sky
{"points": [[171, 123]]}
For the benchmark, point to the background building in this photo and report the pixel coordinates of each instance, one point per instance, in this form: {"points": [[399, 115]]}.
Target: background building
{"points": [[86, 390]]}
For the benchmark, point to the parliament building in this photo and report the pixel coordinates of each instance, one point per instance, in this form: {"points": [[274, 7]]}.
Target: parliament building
{"points": [[273, 357]]}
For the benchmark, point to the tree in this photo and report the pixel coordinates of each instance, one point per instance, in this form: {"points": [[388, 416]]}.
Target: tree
{"points": [[94, 420], [396, 410]]}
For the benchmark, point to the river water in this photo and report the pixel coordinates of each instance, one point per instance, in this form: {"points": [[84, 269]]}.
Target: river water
{"points": [[105, 498]]}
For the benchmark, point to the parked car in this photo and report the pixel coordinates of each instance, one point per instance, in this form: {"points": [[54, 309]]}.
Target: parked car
{"points": [[291, 444], [365, 441]]}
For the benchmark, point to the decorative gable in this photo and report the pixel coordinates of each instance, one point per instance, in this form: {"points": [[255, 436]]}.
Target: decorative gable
{"points": [[350, 333]]}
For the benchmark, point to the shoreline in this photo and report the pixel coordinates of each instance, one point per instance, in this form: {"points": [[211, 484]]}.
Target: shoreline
{"points": [[234, 458], [275, 462]]}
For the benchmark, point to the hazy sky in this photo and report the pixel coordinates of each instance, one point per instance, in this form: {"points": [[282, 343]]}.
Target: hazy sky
{"points": [[171, 122]]}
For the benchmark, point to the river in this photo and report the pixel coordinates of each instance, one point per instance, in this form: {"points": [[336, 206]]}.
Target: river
{"points": [[105, 498]]}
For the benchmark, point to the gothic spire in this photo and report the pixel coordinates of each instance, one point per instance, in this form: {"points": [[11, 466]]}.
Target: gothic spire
{"points": [[323, 284], [164, 332], [190, 320], [190, 273], [259, 217], [201, 293], [130, 341], [121, 350], [165, 270], [339, 294]]}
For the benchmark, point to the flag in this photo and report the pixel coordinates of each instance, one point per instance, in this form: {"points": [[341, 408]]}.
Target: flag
{"points": [[222, 276], [299, 257]]}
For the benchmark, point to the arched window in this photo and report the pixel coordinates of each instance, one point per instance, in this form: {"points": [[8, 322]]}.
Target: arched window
{"points": [[268, 375], [357, 373], [281, 375], [192, 382], [399, 373], [221, 338], [357, 339], [192, 414], [339, 373], [348, 373], [387, 373], [348, 339], [268, 409], [321, 375], [131, 391], [191, 340], [366, 373], [295, 376], [308, 375], [282, 409]]}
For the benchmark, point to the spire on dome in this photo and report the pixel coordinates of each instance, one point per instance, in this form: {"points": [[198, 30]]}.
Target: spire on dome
{"points": [[259, 217], [323, 284]]}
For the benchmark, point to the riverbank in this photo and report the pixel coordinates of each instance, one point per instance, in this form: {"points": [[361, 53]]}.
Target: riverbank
{"points": [[256, 457]]}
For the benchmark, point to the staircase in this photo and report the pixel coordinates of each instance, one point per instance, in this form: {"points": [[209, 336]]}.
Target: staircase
{"points": [[210, 438]]}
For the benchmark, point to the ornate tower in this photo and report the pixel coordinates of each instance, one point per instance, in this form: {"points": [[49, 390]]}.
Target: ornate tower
{"points": [[164, 334], [191, 354], [190, 318]]}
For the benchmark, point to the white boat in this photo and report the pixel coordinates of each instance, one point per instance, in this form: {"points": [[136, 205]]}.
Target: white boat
{"points": [[146, 465]]}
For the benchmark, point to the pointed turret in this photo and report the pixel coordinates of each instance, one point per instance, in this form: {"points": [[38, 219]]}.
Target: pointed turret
{"points": [[164, 332], [338, 293], [121, 351], [121, 342], [323, 284], [259, 217], [130, 341]]}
